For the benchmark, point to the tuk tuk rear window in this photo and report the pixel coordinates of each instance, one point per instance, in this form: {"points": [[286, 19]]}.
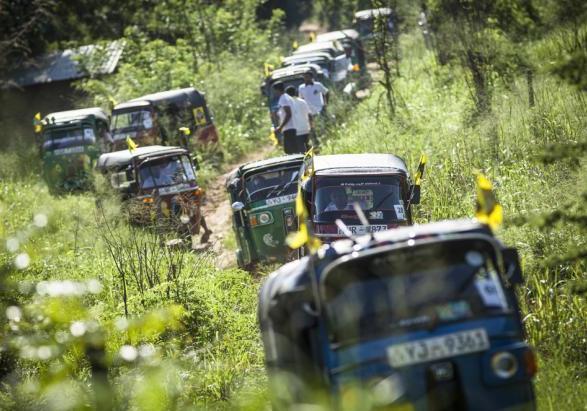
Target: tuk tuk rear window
{"points": [[271, 184], [67, 137], [417, 287], [132, 120], [381, 197]]}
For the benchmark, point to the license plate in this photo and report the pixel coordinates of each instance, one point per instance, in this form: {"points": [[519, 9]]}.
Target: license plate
{"points": [[436, 348], [361, 229]]}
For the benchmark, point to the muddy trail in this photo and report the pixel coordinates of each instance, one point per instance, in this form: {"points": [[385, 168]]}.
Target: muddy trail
{"points": [[217, 209]]}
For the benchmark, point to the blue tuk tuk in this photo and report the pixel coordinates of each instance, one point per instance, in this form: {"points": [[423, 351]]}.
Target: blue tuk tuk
{"points": [[416, 318]]}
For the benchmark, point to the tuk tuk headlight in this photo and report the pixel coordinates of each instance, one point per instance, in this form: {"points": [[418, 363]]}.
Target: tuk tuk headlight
{"points": [[504, 364], [263, 218]]}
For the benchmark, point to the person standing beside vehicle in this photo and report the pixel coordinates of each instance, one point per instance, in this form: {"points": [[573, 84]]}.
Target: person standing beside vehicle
{"points": [[316, 95], [285, 115], [302, 119]]}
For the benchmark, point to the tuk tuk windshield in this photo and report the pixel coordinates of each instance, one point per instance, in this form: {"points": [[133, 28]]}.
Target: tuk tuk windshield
{"points": [[379, 196], [57, 138], [134, 120], [165, 172], [413, 288], [271, 184]]}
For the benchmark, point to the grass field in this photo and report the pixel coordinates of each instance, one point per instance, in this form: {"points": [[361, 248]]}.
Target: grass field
{"points": [[191, 339]]}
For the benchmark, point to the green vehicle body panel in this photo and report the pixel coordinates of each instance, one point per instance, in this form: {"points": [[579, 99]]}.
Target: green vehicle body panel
{"points": [[68, 163], [264, 241]]}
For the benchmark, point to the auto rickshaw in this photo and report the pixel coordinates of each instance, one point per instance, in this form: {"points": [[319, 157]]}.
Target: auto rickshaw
{"points": [[70, 143], [157, 119], [263, 194], [335, 69], [158, 186], [379, 184], [334, 48], [351, 43], [364, 21], [421, 318]]}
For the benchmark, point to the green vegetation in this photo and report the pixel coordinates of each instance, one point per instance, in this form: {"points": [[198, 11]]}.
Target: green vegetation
{"points": [[190, 339]]}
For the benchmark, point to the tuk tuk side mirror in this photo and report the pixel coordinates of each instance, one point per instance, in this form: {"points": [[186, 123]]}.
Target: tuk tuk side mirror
{"points": [[513, 269], [237, 206], [415, 199]]}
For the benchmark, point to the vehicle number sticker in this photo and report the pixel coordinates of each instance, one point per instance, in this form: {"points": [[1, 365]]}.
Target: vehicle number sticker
{"points": [[489, 293], [376, 215], [361, 229], [280, 200], [431, 349], [69, 150], [399, 211]]}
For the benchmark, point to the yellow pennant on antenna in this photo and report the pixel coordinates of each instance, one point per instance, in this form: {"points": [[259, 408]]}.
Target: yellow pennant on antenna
{"points": [[420, 172], [132, 146], [185, 130], [303, 236], [295, 45], [37, 123], [268, 69], [489, 211]]}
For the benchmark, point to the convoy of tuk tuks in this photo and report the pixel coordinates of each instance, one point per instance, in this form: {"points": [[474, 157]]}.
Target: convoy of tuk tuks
{"points": [[370, 312]]}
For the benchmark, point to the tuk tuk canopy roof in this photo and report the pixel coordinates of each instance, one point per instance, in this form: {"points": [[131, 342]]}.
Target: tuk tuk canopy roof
{"points": [[264, 164], [179, 97], [296, 274], [70, 116], [123, 158], [307, 58], [319, 46], [294, 71], [371, 13], [340, 35], [359, 163]]}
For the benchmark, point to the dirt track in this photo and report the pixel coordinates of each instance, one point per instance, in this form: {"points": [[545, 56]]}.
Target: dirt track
{"points": [[217, 208]]}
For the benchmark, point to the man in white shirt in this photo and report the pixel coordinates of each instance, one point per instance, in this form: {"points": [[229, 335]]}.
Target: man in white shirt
{"points": [[302, 119], [314, 93], [285, 113]]}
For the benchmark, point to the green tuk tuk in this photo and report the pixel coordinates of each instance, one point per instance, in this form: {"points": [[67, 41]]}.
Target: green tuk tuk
{"points": [[263, 197], [157, 119], [158, 186], [70, 143]]}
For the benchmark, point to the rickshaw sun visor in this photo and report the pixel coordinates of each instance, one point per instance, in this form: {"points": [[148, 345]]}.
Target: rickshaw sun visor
{"points": [[422, 286], [380, 197], [166, 171]]}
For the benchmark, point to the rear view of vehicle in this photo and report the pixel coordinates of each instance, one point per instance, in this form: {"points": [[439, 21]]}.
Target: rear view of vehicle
{"points": [[263, 195], [366, 22], [418, 318], [379, 184], [71, 142]]}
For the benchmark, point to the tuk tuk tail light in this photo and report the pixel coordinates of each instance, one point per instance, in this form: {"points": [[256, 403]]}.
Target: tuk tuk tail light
{"points": [[530, 363], [504, 364]]}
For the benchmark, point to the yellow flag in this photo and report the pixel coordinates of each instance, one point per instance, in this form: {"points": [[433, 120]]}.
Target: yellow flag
{"points": [[312, 37], [489, 211], [420, 171], [273, 137], [185, 130], [268, 69], [37, 123], [295, 45], [131, 144], [303, 236], [112, 102]]}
